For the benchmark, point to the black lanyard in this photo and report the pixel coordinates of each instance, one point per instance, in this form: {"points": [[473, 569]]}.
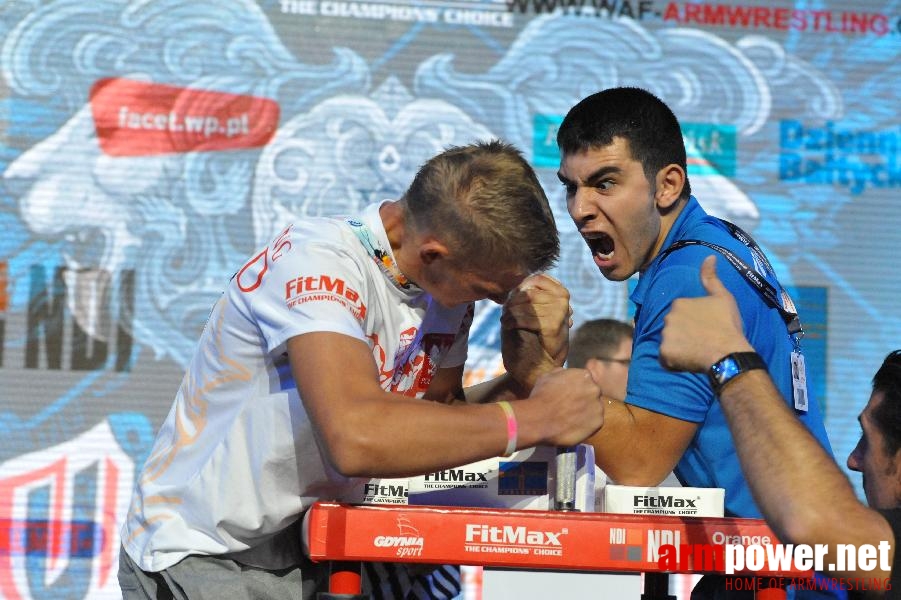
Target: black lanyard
{"points": [[780, 300]]}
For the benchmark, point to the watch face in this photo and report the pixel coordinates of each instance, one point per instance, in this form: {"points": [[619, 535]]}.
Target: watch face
{"points": [[732, 365], [725, 370]]}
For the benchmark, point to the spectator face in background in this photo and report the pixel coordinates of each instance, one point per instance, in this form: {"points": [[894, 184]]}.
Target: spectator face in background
{"points": [[612, 373], [877, 455], [604, 348], [871, 457]]}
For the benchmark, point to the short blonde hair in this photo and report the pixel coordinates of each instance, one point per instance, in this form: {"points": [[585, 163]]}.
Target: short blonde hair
{"points": [[485, 202]]}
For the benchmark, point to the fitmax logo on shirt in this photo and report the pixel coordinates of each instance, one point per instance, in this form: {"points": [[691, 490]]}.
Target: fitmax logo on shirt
{"points": [[312, 288]]}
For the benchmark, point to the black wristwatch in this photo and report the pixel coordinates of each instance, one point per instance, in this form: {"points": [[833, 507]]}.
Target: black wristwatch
{"points": [[731, 366]]}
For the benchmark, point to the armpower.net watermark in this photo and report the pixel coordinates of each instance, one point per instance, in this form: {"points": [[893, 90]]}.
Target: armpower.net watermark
{"points": [[741, 562]]}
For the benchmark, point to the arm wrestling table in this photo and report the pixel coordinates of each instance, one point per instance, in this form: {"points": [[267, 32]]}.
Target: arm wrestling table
{"points": [[524, 539]]}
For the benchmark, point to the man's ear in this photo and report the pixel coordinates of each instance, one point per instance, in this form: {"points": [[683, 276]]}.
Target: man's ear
{"points": [[596, 368], [670, 181], [431, 250]]}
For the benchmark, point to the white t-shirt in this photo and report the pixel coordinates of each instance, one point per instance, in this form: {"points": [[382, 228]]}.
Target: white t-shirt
{"points": [[236, 461]]}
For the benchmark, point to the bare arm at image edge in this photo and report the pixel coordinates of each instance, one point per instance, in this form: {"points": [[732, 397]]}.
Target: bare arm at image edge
{"points": [[802, 493]]}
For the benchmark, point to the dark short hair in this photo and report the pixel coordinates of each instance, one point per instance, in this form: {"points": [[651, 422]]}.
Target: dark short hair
{"points": [[633, 114], [485, 201], [887, 416], [597, 339]]}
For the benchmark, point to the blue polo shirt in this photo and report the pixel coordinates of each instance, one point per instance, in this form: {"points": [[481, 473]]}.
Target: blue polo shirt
{"points": [[710, 460]]}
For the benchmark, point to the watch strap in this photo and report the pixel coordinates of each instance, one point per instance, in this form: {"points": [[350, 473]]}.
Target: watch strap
{"points": [[731, 366]]}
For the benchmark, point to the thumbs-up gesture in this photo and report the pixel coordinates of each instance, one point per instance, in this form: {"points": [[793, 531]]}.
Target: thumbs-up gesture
{"points": [[699, 331]]}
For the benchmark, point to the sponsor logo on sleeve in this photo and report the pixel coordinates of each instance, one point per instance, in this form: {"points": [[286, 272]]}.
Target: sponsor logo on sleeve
{"points": [[324, 288]]}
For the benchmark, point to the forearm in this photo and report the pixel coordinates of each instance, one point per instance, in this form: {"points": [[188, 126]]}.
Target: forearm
{"points": [[366, 431], [503, 387], [535, 331], [639, 447], [397, 436], [803, 495]]}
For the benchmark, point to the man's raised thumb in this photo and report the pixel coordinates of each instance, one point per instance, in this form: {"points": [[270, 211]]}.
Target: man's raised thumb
{"points": [[709, 280]]}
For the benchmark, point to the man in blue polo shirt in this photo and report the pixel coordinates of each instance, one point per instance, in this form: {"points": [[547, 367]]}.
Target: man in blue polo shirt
{"points": [[624, 168]]}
